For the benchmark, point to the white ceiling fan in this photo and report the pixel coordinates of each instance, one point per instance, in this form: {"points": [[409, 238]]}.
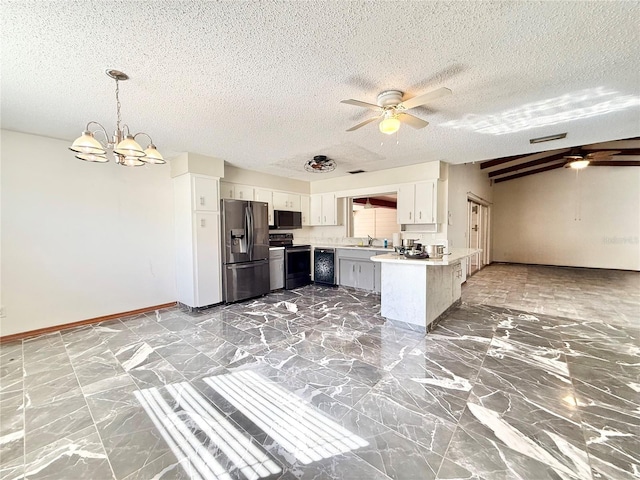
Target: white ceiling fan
{"points": [[392, 109]]}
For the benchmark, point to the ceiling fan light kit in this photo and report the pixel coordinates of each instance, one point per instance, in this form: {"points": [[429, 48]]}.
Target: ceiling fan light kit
{"points": [[389, 125], [391, 109], [579, 164], [577, 161], [126, 151]]}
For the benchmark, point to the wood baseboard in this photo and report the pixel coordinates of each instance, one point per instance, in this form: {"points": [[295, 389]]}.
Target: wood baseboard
{"points": [[64, 326]]}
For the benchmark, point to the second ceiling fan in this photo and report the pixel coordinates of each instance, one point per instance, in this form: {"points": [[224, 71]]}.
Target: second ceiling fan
{"points": [[579, 159], [392, 109]]}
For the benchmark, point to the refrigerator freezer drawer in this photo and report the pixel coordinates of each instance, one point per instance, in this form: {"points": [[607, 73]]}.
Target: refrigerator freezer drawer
{"points": [[245, 280]]}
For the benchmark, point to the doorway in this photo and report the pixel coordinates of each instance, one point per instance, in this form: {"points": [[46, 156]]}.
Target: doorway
{"points": [[478, 226]]}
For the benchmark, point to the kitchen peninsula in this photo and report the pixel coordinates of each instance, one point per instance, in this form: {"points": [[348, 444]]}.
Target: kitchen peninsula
{"points": [[419, 291]]}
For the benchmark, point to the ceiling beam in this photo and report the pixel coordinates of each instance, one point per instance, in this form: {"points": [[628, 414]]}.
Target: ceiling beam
{"points": [[530, 172], [500, 161], [376, 202], [522, 166], [615, 163], [623, 151]]}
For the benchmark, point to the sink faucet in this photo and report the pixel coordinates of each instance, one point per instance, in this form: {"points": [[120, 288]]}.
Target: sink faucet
{"points": [[369, 240]]}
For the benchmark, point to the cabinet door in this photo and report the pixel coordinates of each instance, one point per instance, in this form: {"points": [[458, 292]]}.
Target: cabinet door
{"points": [[305, 209], [406, 201], [294, 202], [328, 209], [243, 192], [205, 194], [226, 190], [263, 195], [424, 199], [365, 277], [280, 201], [207, 258], [348, 273], [315, 208]]}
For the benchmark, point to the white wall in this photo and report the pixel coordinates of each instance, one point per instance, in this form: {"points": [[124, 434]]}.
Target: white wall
{"points": [[264, 180], [558, 218], [80, 240]]}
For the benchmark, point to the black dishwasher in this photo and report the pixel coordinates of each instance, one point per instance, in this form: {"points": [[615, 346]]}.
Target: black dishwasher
{"points": [[324, 272]]}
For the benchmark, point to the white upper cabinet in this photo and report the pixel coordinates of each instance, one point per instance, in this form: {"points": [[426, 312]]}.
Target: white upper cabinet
{"points": [[264, 195], [286, 201], [226, 190], [305, 209], [205, 193], [329, 216], [235, 191], [421, 202], [323, 209], [406, 203]]}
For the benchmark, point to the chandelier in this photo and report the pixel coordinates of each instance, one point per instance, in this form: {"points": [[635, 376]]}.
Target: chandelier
{"points": [[126, 151]]}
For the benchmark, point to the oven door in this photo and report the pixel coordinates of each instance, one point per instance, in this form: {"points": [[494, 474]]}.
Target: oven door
{"points": [[297, 264]]}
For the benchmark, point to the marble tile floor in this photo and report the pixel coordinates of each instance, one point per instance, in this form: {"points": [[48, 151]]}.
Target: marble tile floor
{"points": [[535, 376]]}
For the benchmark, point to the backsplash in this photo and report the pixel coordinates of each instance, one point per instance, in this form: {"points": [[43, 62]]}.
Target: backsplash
{"points": [[335, 236]]}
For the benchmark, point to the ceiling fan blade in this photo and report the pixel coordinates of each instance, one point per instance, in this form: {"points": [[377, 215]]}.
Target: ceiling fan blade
{"points": [[602, 154], [362, 124], [358, 103], [425, 98], [412, 121]]}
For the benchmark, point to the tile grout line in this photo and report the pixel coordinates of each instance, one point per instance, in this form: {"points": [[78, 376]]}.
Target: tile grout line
{"points": [[84, 397], [444, 455]]}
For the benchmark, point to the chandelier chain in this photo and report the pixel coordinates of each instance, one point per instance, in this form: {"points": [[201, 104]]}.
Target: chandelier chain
{"points": [[118, 104]]}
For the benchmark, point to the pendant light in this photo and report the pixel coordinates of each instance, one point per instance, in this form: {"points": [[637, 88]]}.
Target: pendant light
{"points": [[126, 151]]}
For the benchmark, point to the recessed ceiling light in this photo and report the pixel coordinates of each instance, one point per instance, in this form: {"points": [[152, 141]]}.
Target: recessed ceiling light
{"points": [[548, 138]]}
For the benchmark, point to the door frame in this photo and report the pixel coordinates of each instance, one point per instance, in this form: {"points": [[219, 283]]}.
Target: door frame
{"points": [[484, 224]]}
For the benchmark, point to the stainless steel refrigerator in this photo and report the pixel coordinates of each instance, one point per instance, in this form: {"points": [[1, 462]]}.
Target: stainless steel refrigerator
{"points": [[245, 249]]}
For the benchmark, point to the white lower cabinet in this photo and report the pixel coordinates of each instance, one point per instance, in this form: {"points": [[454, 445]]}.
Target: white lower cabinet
{"points": [[356, 270], [357, 274]]}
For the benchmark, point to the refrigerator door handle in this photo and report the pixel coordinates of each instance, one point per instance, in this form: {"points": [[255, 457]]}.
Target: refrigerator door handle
{"points": [[249, 221]]}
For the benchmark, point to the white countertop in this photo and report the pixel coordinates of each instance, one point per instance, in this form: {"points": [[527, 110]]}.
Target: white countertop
{"points": [[356, 247], [456, 255]]}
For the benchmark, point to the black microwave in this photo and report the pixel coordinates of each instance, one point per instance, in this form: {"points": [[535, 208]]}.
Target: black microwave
{"points": [[286, 220]]}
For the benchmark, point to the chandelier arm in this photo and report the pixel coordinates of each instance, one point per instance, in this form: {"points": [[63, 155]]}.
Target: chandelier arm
{"points": [[127, 127], [101, 130], [144, 133]]}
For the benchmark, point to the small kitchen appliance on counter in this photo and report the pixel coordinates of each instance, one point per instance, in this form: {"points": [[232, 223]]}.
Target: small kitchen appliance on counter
{"points": [[297, 260]]}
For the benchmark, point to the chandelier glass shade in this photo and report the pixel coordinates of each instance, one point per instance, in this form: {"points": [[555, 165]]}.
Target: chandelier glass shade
{"points": [[126, 150]]}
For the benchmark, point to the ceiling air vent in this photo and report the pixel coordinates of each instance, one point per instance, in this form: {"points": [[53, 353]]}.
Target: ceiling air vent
{"points": [[353, 172], [548, 138]]}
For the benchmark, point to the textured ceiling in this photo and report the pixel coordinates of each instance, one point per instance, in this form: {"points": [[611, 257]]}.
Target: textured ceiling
{"points": [[259, 84]]}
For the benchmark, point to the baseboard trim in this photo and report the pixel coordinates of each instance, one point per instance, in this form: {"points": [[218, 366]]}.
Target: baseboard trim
{"points": [[89, 321]]}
